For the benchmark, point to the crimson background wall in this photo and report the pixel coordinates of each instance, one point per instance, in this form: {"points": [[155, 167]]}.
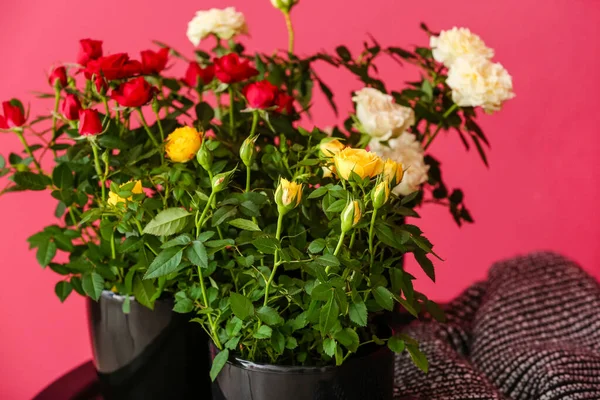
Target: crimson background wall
{"points": [[541, 192]]}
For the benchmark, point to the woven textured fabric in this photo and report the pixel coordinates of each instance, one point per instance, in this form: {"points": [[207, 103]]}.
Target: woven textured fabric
{"points": [[531, 331]]}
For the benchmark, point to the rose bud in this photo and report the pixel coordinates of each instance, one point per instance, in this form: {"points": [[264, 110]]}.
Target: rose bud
{"points": [[154, 62], [195, 73], [284, 5], [330, 147], [284, 103], [247, 150], [89, 123], [205, 157], [230, 69], [287, 195], [183, 144], [220, 181], [361, 162], [89, 49], [351, 215], [13, 115], [115, 66], [100, 84], [380, 194], [134, 93], [393, 172], [71, 107], [260, 95], [58, 74]]}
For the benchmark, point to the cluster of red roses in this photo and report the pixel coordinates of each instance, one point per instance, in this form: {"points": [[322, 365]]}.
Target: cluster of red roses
{"points": [[134, 91]]}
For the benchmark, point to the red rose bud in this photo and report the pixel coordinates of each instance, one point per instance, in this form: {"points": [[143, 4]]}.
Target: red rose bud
{"points": [[89, 49], [260, 94], [58, 74], [154, 61], [195, 72], [134, 93], [284, 103], [115, 66], [71, 107], [101, 84], [230, 69], [13, 116], [89, 123]]}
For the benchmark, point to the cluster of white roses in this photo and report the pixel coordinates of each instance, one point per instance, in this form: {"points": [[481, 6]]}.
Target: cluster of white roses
{"points": [[474, 79], [223, 23]]}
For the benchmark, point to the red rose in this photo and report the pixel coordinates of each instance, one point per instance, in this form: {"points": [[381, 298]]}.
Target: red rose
{"points": [[195, 72], [154, 61], [115, 66], [58, 74], [230, 69], [89, 123], [134, 93], [101, 85], [284, 103], [89, 49], [13, 116], [260, 94], [71, 107]]}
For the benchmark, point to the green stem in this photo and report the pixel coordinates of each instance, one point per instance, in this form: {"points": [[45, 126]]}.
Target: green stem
{"points": [[99, 170], [248, 175], [212, 324], [352, 239], [254, 122], [150, 135], [231, 107], [200, 221], [290, 29], [275, 261], [160, 128], [105, 102], [371, 235], [439, 127], [339, 244], [28, 150], [56, 104]]}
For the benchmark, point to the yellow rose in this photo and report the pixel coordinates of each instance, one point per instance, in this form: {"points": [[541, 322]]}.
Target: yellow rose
{"points": [[359, 161], [330, 148], [380, 194], [288, 195], [393, 172], [114, 198], [183, 144]]}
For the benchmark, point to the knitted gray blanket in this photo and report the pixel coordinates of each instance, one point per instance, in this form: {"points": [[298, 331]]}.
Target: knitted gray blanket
{"points": [[531, 331]]}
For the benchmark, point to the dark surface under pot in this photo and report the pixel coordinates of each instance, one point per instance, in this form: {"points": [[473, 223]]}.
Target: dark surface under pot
{"points": [[147, 354], [365, 378]]}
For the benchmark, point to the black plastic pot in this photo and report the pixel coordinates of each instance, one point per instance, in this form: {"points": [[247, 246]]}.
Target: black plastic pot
{"points": [[147, 354], [366, 378]]}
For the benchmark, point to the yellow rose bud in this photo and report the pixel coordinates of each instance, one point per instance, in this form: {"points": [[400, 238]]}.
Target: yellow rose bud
{"points": [[183, 144], [380, 194], [288, 195], [114, 198], [393, 172], [329, 148], [351, 215], [359, 161]]}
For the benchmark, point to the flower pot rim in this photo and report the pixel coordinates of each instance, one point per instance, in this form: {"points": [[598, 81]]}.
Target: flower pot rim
{"points": [[237, 362]]}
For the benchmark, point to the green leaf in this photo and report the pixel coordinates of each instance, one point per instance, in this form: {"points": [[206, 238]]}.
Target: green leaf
{"points": [[336, 206], [241, 306], [291, 343], [436, 311], [264, 332], [328, 260], [418, 357], [205, 114], [218, 363], [244, 224], [130, 244], [348, 338], [384, 297], [396, 344], [329, 346], [92, 284], [278, 342], [63, 289], [425, 263], [266, 244], [321, 292], [358, 313], [31, 181], [269, 316], [168, 222], [166, 262], [233, 326], [143, 291], [196, 253], [62, 176], [180, 240], [409, 198], [46, 252], [329, 315], [183, 305], [317, 246], [315, 194]]}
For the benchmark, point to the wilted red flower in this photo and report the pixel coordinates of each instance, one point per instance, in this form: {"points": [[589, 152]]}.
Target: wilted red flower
{"points": [[89, 123], [89, 49], [134, 93], [115, 66], [154, 61], [195, 72], [230, 68]]}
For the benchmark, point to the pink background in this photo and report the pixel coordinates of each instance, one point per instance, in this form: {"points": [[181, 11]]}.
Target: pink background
{"points": [[541, 191]]}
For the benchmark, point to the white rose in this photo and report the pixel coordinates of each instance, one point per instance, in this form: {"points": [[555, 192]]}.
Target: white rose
{"points": [[379, 116], [458, 42], [407, 150], [224, 24], [476, 81]]}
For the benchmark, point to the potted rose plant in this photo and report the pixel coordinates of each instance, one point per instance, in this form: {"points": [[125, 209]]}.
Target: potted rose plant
{"points": [[206, 196]]}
